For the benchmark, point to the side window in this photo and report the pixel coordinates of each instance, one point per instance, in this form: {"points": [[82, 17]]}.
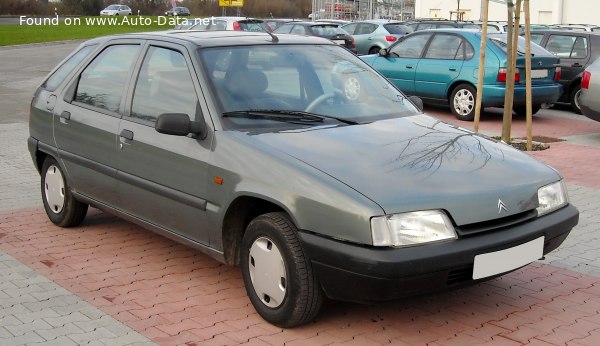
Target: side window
{"points": [[219, 25], [164, 85], [61, 73], [350, 28], [445, 47], [537, 38], [298, 30], [284, 29], [560, 45], [365, 28], [102, 83], [412, 47], [580, 48]]}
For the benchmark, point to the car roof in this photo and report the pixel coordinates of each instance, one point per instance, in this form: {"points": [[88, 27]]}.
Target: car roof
{"points": [[216, 38]]}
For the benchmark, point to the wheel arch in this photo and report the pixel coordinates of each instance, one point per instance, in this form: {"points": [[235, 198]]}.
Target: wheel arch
{"points": [[241, 211], [454, 84]]}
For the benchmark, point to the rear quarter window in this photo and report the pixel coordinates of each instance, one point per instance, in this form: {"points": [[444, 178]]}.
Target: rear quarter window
{"points": [[63, 71]]}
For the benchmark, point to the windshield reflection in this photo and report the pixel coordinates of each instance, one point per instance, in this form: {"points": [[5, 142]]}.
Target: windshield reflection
{"points": [[320, 79]]}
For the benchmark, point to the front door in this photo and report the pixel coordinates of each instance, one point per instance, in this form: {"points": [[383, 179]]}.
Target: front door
{"points": [[162, 177]]}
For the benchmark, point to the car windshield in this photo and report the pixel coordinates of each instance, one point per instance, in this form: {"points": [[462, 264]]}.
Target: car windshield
{"points": [[500, 41], [324, 81], [327, 30], [113, 7], [253, 25]]}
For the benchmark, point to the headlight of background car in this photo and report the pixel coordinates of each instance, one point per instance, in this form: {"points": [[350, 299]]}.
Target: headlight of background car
{"points": [[552, 197], [411, 228]]}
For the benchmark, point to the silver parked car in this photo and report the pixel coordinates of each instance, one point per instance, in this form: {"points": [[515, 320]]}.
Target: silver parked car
{"points": [[116, 10], [317, 177], [371, 36], [589, 98]]}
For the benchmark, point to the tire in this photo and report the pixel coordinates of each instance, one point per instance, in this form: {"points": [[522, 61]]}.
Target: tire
{"points": [[60, 205], [462, 102], [574, 99], [521, 111], [374, 50], [271, 249]]}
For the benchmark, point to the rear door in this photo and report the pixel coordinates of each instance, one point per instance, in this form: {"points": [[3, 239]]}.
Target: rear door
{"points": [[86, 126], [401, 65], [573, 51], [441, 65], [363, 37], [162, 178]]}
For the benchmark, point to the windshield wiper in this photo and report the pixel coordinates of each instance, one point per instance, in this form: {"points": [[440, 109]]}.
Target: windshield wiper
{"points": [[284, 115]]}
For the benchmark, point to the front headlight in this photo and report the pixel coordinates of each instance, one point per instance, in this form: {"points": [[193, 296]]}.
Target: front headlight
{"points": [[552, 197], [412, 228]]}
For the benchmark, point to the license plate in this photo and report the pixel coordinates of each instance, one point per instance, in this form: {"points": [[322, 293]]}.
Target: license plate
{"points": [[502, 261], [342, 42], [539, 73]]}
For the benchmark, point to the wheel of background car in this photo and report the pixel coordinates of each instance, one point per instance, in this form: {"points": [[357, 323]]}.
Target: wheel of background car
{"points": [[574, 99], [522, 111], [277, 273], [462, 102], [374, 50], [60, 205]]}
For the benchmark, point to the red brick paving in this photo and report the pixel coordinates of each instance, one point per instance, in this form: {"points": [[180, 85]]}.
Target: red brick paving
{"points": [[176, 296]]}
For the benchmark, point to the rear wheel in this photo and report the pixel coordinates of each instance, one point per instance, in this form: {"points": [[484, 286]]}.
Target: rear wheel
{"points": [[60, 205], [462, 102], [277, 273], [574, 99], [374, 50], [522, 111]]}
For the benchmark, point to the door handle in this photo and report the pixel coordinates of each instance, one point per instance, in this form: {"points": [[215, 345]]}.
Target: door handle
{"points": [[576, 65], [452, 69], [409, 66], [65, 115], [126, 134]]}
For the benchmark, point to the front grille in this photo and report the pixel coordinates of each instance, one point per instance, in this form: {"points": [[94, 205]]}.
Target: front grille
{"points": [[496, 224]]}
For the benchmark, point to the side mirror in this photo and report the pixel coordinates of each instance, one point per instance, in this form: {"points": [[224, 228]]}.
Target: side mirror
{"points": [[384, 52], [179, 124], [417, 102]]}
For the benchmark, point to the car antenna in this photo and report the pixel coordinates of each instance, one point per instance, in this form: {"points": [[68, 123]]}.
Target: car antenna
{"points": [[274, 38]]}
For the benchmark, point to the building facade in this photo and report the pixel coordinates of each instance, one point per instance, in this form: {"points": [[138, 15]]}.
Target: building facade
{"points": [[541, 11]]}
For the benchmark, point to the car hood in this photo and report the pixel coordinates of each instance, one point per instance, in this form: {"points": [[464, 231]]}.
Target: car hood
{"points": [[420, 163]]}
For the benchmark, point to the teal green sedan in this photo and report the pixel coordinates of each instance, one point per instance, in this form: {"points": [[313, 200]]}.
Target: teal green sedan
{"points": [[441, 67]]}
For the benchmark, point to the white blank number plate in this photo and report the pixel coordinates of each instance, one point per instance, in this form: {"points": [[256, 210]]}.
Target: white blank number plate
{"points": [[539, 73], [502, 261]]}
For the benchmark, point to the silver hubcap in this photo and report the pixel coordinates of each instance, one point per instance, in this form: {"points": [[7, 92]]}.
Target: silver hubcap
{"points": [[352, 88], [464, 102], [267, 272], [54, 189], [576, 99]]}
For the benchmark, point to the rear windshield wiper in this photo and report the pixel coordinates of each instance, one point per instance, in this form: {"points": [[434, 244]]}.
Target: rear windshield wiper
{"points": [[284, 115]]}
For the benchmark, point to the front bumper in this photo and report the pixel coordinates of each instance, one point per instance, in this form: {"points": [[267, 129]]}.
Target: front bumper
{"points": [[366, 273], [493, 95]]}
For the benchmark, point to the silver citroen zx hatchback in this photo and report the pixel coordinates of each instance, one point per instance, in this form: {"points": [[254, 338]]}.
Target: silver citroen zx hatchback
{"points": [[291, 158]]}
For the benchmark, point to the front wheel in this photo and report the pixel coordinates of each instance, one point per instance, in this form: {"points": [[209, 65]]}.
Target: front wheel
{"points": [[60, 205], [462, 102], [277, 273], [522, 110]]}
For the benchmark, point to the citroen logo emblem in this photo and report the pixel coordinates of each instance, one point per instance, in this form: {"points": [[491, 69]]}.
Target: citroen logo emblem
{"points": [[501, 206]]}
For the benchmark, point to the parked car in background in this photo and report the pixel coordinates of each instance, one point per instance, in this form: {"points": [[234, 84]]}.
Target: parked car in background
{"points": [[372, 35], [274, 23], [178, 11], [576, 51], [326, 30], [441, 24], [339, 22], [317, 178], [229, 23], [116, 10], [579, 27], [589, 99], [441, 67]]}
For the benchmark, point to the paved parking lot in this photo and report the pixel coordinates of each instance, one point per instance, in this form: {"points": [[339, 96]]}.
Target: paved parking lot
{"points": [[109, 282]]}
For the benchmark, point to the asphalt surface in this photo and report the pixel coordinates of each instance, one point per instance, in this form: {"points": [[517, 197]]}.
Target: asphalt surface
{"points": [[109, 282]]}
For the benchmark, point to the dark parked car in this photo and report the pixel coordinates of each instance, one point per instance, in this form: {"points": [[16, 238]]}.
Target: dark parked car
{"points": [[326, 30], [370, 36], [178, 11], [589, 100], [440, 66], [317, 177], [576, 51]]}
